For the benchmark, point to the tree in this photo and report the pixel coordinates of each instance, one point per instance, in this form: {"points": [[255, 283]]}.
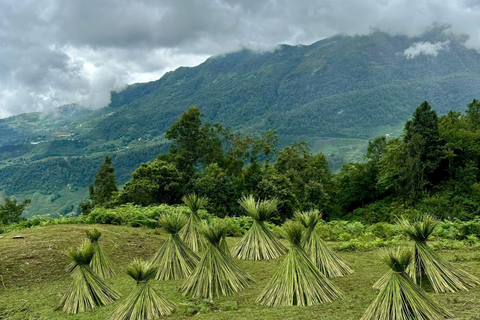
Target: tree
{"points": [[105, 185], [473, 113], [152, 183], [11, 211], [422, 138]]}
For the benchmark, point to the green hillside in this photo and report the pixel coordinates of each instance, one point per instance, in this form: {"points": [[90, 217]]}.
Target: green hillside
{"points": [[336, 94], [33, 279]]}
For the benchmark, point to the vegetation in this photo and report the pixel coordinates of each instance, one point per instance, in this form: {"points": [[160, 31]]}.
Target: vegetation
{"points": [[190, 233], [297, 280], [144, 303], [216, 274], [327, 261], [32, 291], [258, 243], [11, 211], [442, 275], [100, 263], [87, 291], [174, 260], [400, 298]]}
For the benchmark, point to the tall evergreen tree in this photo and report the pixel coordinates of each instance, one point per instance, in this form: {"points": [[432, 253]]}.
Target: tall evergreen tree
{"points": [[105, 185]]}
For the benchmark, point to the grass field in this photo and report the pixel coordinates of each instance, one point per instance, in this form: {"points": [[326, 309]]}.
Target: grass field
{"points": [[32, 279]]}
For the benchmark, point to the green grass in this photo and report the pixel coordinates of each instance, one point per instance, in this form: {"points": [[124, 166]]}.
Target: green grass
{"points": [[32, 279]]}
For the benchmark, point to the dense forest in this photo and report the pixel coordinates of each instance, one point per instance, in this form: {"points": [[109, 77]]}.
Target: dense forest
{"points": [[433, 167]]}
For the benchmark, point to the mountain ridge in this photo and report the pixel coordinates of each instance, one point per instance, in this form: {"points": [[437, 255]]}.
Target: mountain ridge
{"points": [[336, 94]]}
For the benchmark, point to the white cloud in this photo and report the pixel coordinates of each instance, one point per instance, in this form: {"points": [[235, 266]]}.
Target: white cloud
{"points": [[55, 52], [425, 48]]}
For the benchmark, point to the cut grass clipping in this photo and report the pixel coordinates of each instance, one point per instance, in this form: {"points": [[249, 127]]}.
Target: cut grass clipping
{"points": [[87, 290], [174, 260], [441, 274], [190, 233], [297, 282], [144, 303], [329, 263], [400, 298], [258, 243], [100, 263], [216, 274]]}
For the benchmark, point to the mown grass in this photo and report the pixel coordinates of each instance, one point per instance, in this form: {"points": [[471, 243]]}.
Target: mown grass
{"points": [[32, 279]]}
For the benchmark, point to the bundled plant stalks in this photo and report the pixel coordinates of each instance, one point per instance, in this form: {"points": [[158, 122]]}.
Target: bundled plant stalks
{"points": [[216, 274], [223, 242], [442, 275], [297, 281], [100, 263], [258, 243], [400, 298], [174, 260], [87, 291], [327, 261], [190, 233], [144, 303]]}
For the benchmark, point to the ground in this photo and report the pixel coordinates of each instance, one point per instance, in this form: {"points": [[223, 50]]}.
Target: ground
{"points": [[32, 279]]}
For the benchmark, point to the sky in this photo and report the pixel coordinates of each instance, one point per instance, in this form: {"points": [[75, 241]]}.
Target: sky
{"points": [[56, 52]]}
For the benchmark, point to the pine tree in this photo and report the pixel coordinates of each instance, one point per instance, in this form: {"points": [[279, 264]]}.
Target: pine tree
{"points": [[105, 185]]}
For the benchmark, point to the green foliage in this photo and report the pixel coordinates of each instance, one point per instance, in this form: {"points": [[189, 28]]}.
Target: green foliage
{"points": [[259, 242], [400, 298], [174, 259], [153, 183], [327, 261], [144, 302], [100, 263], [217, 274], [11, 211], [87, 290], [297, 281], [105, 186]]}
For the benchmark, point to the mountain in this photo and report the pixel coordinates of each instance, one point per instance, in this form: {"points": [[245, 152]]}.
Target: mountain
{"points": [[336, 94]]}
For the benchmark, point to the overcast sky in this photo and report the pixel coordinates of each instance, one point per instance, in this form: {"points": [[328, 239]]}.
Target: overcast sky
{"points": [[55, 52]]}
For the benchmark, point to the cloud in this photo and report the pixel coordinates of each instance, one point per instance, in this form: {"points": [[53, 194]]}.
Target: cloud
{"points": [[55, 52], [426, 48]]}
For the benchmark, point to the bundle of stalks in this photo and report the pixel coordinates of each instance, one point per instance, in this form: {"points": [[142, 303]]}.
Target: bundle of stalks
{"points": [[190, 233], [400, 298], [174, 260], [297, 281], [258, 243], [100, 263], [87, 291], [144, 303], [429, 265], [329, 263], [216, 274]]}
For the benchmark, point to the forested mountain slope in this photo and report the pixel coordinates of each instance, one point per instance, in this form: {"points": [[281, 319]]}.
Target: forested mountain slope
{"points": [[336, 94]]}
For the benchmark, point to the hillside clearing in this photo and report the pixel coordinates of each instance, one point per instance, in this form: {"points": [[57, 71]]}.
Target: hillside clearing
{"points": [[32, 279]]}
